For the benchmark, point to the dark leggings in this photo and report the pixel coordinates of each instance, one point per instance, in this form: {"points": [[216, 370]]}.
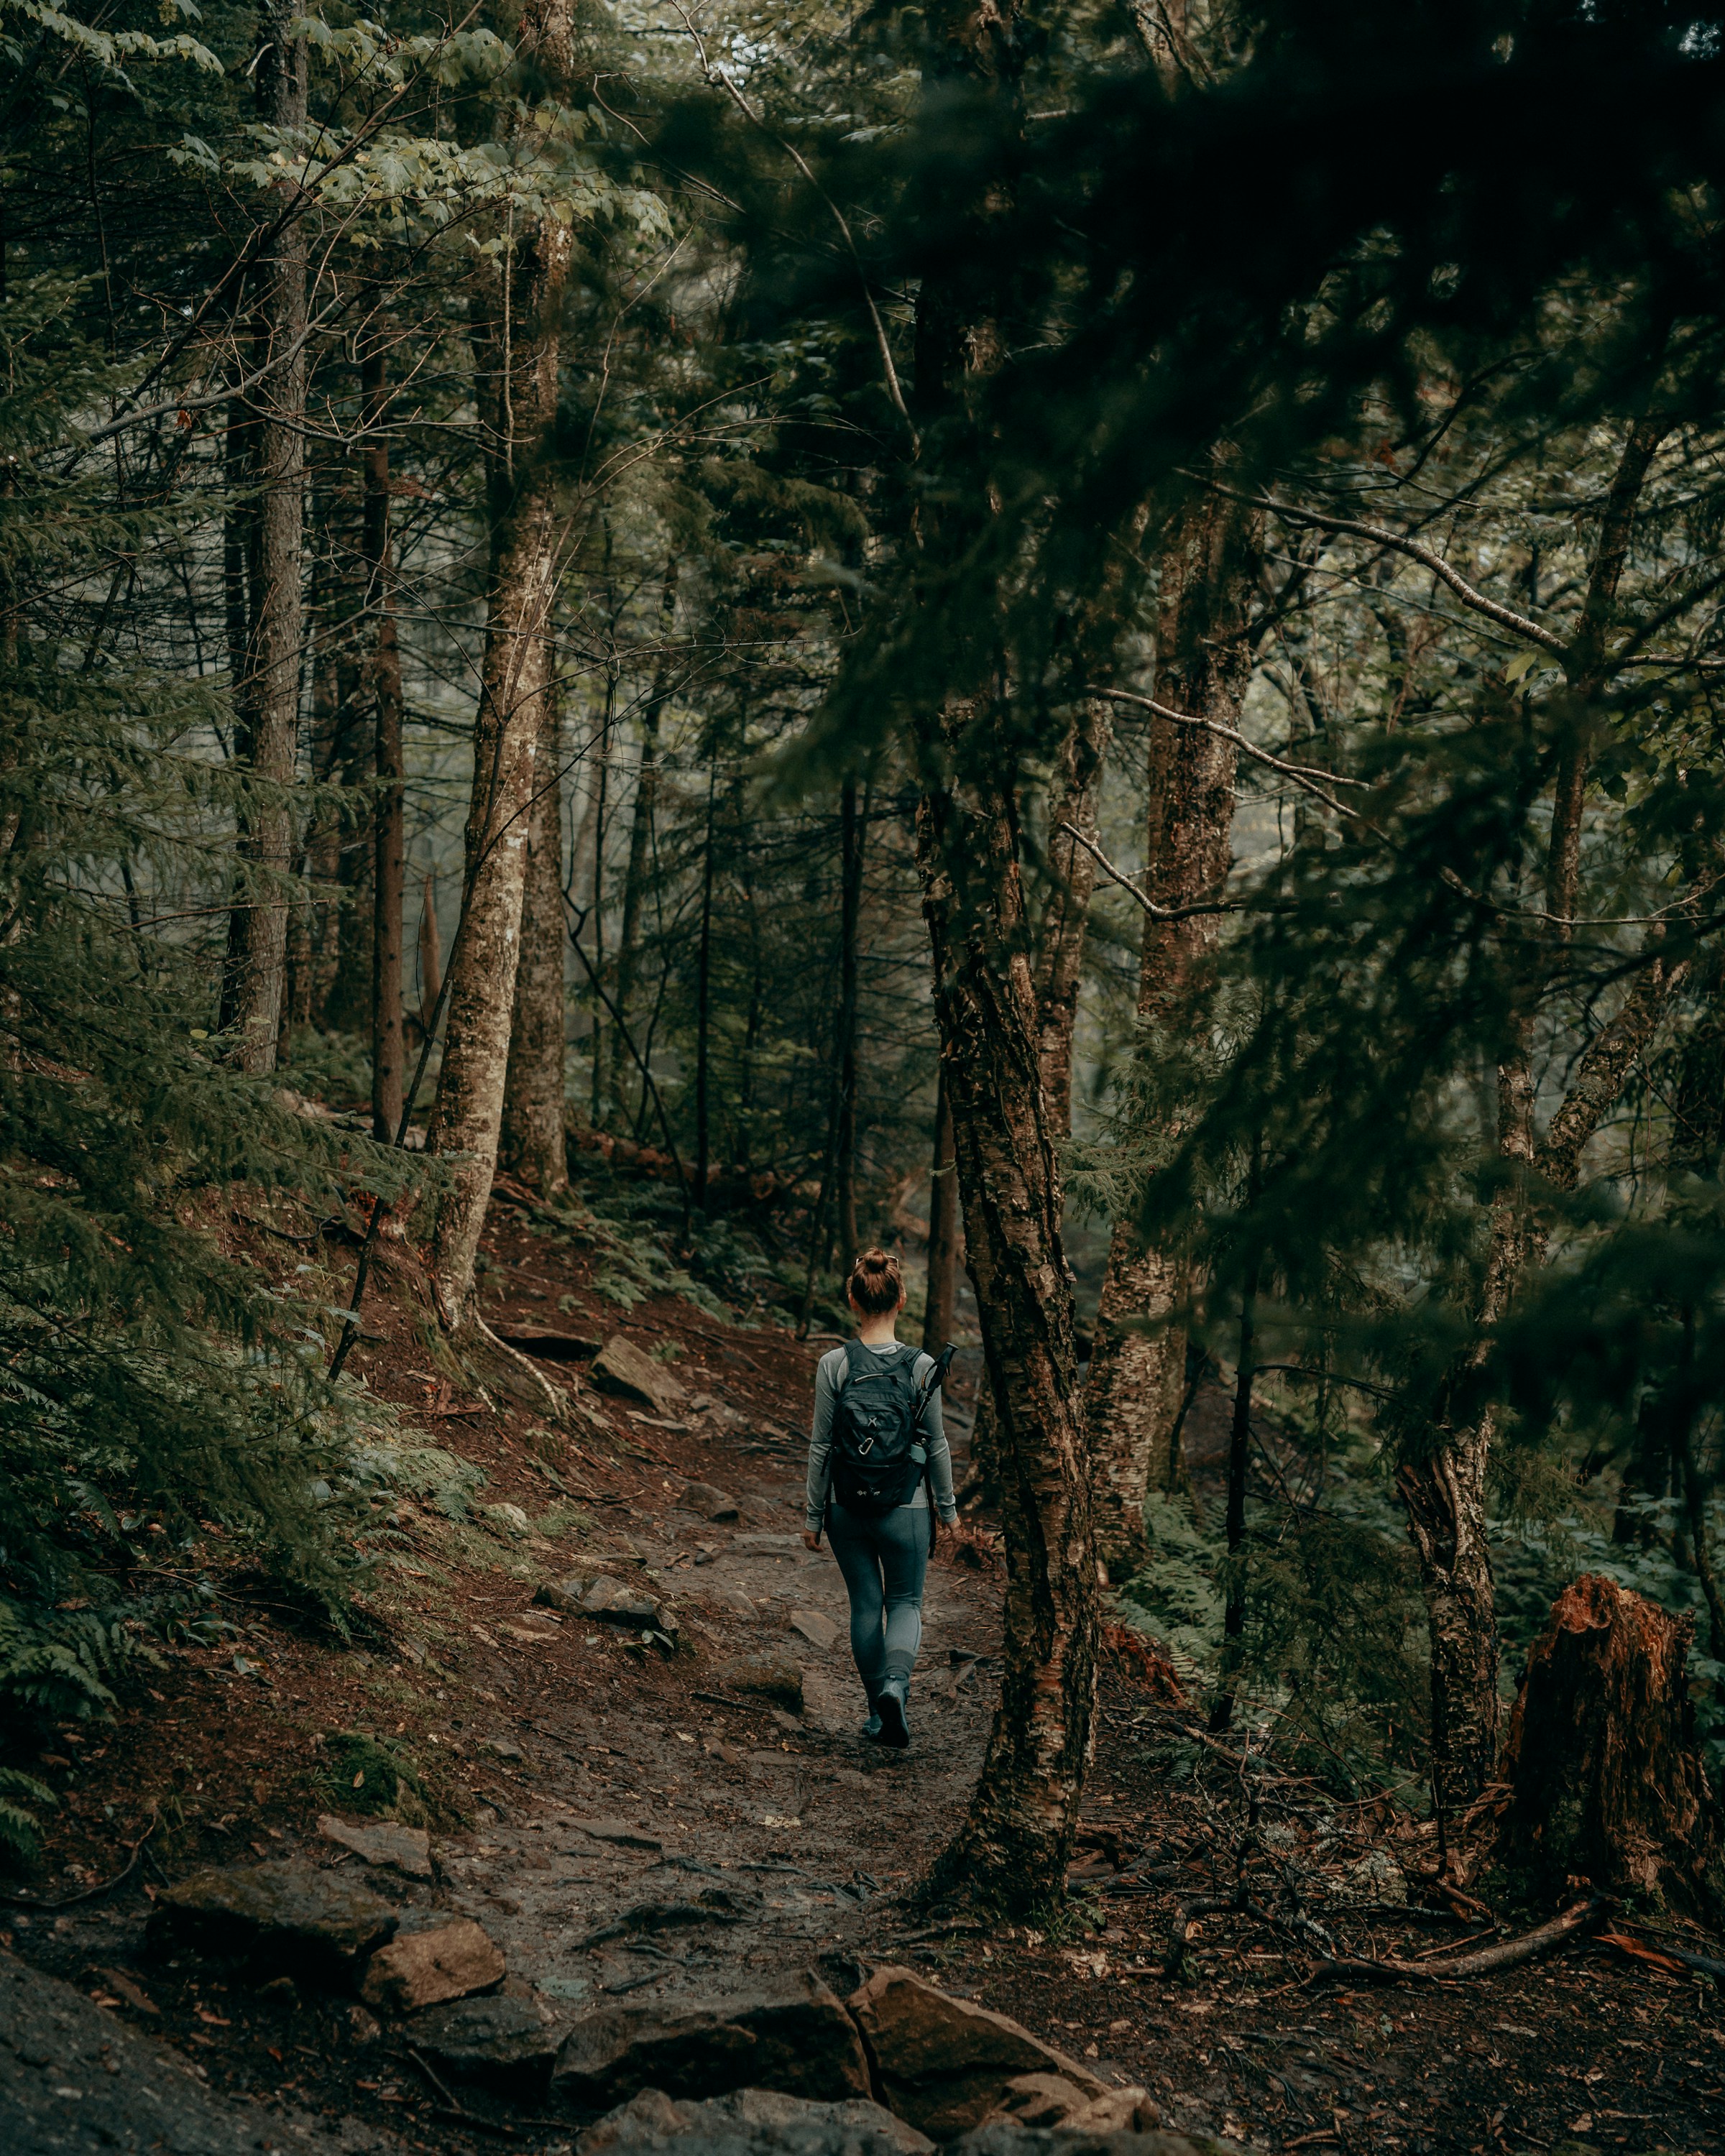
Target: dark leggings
{"points": [[883, 1556]]}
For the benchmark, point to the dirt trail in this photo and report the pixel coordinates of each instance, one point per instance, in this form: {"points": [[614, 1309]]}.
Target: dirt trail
{"points": [[595, 1778]]}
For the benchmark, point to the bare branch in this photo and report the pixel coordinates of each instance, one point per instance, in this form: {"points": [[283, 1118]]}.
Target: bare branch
{"points": [[1155, 911], [1505, 617], [1303, 775]]}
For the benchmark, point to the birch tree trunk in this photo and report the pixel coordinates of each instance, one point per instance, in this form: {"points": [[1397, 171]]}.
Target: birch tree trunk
{"points": [[268, 696], [533, 1146], [517, 348], [1209, 569]]}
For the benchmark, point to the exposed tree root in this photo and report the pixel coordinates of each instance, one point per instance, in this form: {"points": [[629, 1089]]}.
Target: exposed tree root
{"points": [[1575, 1923]]}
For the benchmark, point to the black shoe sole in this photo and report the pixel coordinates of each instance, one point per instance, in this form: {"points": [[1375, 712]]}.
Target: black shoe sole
{"points": [[894, 1730]]}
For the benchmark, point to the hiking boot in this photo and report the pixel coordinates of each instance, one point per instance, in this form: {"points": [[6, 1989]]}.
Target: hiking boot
{"points": [[893, 1709]]}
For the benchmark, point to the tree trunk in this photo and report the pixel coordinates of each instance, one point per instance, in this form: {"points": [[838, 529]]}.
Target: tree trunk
{"points": [[431, 954], [852, 832], [268, 689], [704, 1007], [1065, 918], [1600, 1756], [940, 1297], [389, 853], [1240, 1462], [640, 834], [1444, 1487], [1209, 569], [518, 344], [1013, 1848], [532, 1144]]}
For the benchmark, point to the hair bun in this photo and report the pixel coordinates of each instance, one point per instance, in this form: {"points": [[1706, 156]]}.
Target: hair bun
{"points": [[877, 1285]]}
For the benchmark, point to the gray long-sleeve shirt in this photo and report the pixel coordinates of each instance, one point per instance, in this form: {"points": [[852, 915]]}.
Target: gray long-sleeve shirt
{"points": [[829, 1376]]}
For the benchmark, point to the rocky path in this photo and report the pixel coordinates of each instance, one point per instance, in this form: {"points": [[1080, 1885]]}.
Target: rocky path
{"points": [[636, 1823]]}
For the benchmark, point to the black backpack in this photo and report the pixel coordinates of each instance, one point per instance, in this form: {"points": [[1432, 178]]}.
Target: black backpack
{"points": [[879, 1456]]}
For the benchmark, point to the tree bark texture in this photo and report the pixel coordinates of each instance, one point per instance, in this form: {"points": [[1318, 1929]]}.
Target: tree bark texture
{"points": [[389, 828], [1065, 918], [1209, 569], [431, 954], [268, 689], [635, 875], [1607, 1784], [1013, 1848], [533, 1145], [1444, 1486], [940, 1297], [852, 825], [517, 350]]}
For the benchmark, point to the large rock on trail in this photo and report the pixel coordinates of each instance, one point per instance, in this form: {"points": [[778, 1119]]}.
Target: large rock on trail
{"points": [[753, 2122], [793, 2035], [506, 2044], [945, 2064], [76, 2081], [439, 1957], [621, 1366], [287, 1918]]}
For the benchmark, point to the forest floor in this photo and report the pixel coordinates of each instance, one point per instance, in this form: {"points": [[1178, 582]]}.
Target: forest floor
{"points": [[572, 1770]]}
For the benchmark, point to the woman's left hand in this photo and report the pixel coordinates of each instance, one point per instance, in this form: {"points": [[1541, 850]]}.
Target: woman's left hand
{"points": [[811, 1540]]}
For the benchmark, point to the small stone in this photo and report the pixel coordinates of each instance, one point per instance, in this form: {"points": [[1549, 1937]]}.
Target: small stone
{"points": [[286, 1918], [753, 2120], [365, 2027], [506, 2043], [617, 1832], [818, 1629], [406, 1849], [448, 1959], [762, 1676], [504, 1747], [708, 1500], [509, 1517], [621, 1366], [564, 1595], [611, 1599]]}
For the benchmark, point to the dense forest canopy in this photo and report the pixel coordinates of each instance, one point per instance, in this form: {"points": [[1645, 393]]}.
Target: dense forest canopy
{"points": [[790, 625]]}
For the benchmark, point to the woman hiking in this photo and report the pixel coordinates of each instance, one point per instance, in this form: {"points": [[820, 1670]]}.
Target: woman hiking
{"points": [[874, 1452]]}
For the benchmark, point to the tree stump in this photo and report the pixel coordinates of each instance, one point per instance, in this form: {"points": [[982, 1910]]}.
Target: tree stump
{"points": [[1606, 1784]]}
